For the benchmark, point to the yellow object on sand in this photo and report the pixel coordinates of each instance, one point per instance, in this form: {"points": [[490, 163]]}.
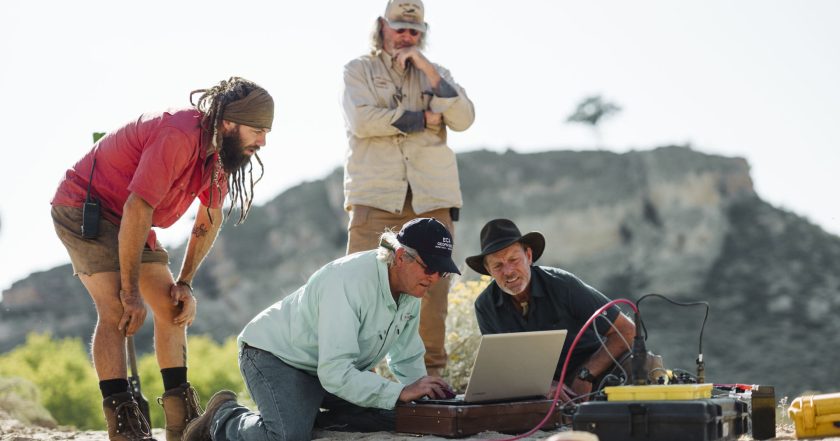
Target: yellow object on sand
{"points": [[816, 415]]}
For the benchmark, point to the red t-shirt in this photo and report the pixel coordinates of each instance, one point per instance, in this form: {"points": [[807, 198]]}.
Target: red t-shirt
{"points": [[159, 157]]}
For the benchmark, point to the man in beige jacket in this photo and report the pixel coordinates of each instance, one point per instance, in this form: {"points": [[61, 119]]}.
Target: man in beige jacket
{"points": [[397, 107]]}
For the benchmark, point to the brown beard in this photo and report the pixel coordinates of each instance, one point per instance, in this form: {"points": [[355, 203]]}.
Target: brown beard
{"points": [[233, 152]]}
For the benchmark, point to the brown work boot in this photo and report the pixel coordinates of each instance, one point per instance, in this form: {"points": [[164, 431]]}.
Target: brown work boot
{"points": [[125, 422], [180, 406], [199, 428]]}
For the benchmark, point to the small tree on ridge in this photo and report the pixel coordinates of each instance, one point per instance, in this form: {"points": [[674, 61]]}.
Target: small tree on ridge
{"points": [[592, 110]]}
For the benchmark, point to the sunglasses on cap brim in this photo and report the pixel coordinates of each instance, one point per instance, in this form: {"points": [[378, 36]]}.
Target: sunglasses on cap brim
{"points": [[412, 32], [426, 270]]}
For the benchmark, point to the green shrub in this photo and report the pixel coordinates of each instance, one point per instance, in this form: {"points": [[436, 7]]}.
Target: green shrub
{"points": [[462, 336], [68, 388], [62, 372]]}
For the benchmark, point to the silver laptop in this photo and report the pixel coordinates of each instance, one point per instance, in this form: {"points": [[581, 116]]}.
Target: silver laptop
{"points": [[512, 366]]}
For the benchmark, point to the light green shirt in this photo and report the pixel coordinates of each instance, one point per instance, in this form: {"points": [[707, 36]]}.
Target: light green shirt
{"points": [[340, 325]]}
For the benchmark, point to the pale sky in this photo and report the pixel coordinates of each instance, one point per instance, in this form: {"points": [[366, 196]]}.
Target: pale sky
{"points": [[758, 79]]}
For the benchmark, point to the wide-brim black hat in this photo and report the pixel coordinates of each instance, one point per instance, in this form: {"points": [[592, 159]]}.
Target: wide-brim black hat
{"points": [[499, 234]]}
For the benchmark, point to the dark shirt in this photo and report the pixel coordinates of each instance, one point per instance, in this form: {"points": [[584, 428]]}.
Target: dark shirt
{"points": [[559, 300]]}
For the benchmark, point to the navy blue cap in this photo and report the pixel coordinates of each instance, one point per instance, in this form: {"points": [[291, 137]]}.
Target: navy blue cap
{"points": [[432, 241]]}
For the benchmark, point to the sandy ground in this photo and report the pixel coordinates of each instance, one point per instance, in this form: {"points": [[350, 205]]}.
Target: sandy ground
{"points": [[13, 430]]}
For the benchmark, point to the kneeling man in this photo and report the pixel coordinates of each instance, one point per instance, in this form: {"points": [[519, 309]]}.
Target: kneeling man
{"points": [[525, 297], [316, 348]]}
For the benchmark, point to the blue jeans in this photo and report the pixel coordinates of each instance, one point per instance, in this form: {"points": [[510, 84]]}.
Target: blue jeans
{"points": [[289, 402]]}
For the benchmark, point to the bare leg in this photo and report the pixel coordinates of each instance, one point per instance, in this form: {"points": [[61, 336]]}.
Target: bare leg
{"points": [[108, 346], [170, 339]]}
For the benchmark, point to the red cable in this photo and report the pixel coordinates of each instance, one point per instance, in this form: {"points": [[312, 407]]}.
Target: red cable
{"points": [[566, 364]]}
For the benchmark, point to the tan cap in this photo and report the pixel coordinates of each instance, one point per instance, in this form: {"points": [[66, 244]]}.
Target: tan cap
{"points": [[405, 14]]}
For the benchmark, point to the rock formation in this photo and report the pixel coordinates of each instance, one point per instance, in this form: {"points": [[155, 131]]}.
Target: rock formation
{"points": [[672, 221]]}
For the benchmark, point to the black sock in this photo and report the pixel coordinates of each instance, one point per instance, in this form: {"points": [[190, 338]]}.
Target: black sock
{"points": [[173, 377], [111, 387]]}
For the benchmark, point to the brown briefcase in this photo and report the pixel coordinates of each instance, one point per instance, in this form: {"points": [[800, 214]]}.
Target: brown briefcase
{"points": [[457, 420]]}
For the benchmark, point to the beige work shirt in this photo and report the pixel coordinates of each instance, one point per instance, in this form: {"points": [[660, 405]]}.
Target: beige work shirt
{"points": [[382, 160]]}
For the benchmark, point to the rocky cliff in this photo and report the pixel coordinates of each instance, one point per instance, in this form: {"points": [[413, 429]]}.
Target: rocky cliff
{"points": [[672, 221]]}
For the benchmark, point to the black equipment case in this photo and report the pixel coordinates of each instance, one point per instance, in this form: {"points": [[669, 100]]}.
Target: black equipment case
{"points": [[457, 420], [685, 420]]}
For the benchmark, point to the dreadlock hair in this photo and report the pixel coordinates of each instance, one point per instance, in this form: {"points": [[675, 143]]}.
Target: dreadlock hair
{"points": [[211, 104]]}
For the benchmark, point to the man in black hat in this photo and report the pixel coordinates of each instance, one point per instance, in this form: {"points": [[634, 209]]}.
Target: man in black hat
{"points": [[524, 297], [315, 349]]}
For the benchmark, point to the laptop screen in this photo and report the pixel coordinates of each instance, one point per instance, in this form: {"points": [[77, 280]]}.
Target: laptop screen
{"points": [[514, 365]]}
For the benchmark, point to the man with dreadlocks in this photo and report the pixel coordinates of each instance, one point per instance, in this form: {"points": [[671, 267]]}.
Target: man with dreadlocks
{"points": [[147, 173], [398, 107]]}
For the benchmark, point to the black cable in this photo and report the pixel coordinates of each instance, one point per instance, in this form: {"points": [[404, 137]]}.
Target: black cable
{"points": [[705, 317], [700, 362], [90, 180]]}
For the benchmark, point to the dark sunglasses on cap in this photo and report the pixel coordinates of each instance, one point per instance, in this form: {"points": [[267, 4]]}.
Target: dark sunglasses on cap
{"points": [[413, 32], [426, 270]]}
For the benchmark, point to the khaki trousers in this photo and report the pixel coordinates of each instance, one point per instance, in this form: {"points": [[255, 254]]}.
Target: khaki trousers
{"points": [[365, 227]]}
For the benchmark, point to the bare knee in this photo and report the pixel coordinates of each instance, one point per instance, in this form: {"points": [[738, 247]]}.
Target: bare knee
{"points": [[109, 315], [165, 311]]}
